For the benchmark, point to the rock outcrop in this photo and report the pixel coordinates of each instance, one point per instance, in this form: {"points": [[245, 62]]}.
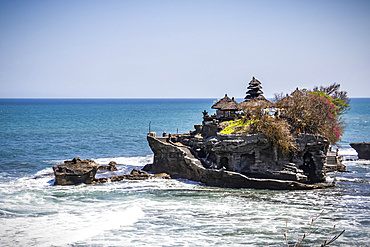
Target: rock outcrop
{"points": [[75, 171], [239, 162], [362, 149], [135, 174], [78, 171], [110, 167]]}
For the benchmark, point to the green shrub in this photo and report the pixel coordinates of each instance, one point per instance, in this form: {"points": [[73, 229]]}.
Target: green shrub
{"points": [[239, 126]]}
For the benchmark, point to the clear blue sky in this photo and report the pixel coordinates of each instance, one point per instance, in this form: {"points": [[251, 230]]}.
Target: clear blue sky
{"points": [[194, 49]]}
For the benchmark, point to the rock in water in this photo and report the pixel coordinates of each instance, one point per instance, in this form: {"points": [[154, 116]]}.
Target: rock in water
{"points": [[162, 175], [75, 171], [111, 167], [137, 172], [362, 149], [179, 161]]}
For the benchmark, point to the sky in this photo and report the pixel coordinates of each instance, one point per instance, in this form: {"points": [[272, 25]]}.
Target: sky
{"points": [[181, 49]]}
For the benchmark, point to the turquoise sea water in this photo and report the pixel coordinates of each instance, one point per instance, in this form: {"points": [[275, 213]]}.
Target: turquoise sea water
{"points": [[36, 134]]}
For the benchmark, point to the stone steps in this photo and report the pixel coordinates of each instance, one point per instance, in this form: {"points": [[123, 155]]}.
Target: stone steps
{"points": [[334, 162]]}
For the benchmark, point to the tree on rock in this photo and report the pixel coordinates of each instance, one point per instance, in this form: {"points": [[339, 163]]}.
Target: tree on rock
{"points": [[318, 111]]}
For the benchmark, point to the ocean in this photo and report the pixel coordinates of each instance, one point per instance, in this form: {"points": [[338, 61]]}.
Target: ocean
{"points": [[36, 134]]}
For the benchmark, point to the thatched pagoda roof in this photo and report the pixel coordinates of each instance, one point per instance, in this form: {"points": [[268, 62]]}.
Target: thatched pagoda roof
{"points": [[254, 86], [259, 101], [226, 104], [254, 91], [254, 81], [297, 92], [287, 101]]}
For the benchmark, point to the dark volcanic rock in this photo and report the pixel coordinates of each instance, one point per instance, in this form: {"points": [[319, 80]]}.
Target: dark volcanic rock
{"points": [[111, 167], [75, 171], [235, 155], [362, 149], [147, 167], [135, 174]]}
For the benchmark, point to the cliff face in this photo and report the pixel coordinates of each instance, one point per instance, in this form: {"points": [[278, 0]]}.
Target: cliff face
{"points": [[254, 156], [239, 161], [362, 149]]}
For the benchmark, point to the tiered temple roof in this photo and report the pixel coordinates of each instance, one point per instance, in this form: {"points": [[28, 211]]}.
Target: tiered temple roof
{"points": [[254, 89], [254, 96]]}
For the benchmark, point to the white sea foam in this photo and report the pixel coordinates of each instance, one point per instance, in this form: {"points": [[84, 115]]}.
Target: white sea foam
{"points": [[347, 152], [33, 213], [174, 212], [65, 227], [125, 164], [133, 161], [357, 163]]}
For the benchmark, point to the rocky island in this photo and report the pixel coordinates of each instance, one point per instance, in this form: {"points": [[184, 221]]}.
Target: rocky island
{"points": [[255, 143]]}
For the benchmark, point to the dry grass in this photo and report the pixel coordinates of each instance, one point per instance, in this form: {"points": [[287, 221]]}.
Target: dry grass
{"points": [[277, 132], [299, 241]]}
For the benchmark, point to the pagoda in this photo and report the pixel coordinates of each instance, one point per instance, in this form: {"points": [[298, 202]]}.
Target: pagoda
{"points": [[254, 96], [254, 89]]}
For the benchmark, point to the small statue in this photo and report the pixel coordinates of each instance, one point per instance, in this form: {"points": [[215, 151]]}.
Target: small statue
{"points": [[205, 114]]}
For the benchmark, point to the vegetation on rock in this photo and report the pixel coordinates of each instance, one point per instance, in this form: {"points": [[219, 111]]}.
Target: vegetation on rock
{"points": [[318, 111], [277, 131], [240, 126]]}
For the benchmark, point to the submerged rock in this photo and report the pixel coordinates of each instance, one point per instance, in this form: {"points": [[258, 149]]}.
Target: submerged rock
{"points": [[135, 174], [75, 171], [161, 175], [111, 167]]}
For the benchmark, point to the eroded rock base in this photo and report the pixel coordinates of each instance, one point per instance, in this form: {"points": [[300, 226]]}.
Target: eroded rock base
{"points": [[239, 162]]}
